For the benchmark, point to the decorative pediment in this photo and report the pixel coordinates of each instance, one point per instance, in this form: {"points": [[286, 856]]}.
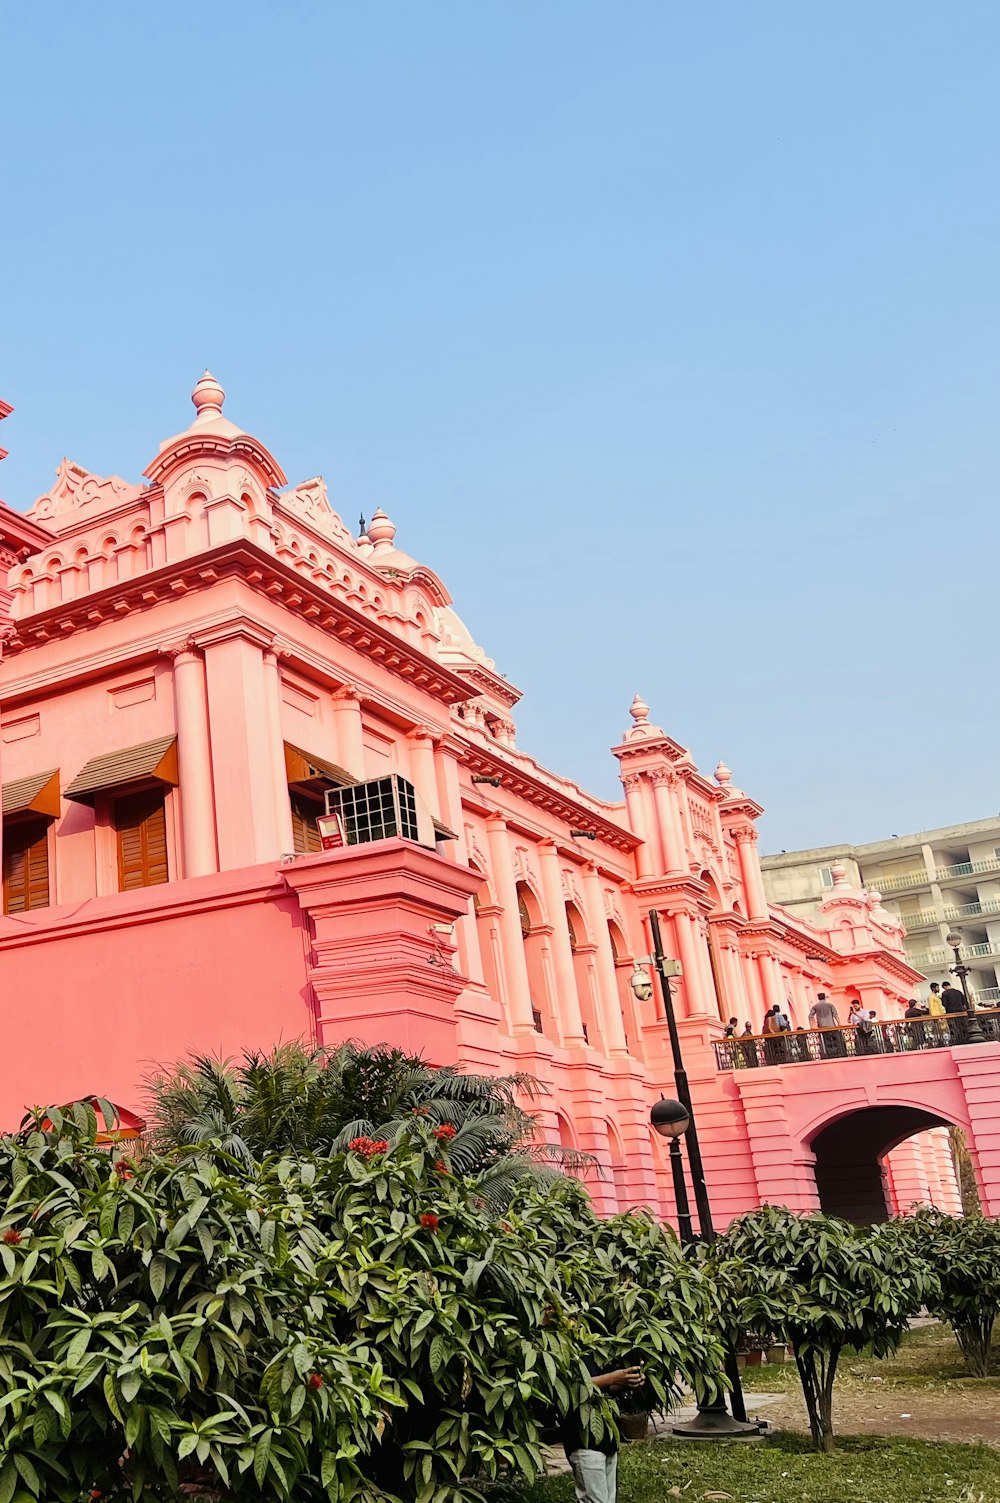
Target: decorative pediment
{"points": [[78, 494], [310, 501]]}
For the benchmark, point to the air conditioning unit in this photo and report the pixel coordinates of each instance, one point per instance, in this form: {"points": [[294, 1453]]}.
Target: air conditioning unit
{"points": [[388, 808]]}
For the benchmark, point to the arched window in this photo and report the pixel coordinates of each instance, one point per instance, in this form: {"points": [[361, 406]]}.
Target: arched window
{"points": [[534, 945], [583, 971]]}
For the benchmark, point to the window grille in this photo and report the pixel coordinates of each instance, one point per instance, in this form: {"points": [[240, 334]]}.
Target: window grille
{"points": [[380, 809]]}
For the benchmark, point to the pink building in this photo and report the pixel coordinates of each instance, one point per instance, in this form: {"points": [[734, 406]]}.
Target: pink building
{"points": [[192, 662]]}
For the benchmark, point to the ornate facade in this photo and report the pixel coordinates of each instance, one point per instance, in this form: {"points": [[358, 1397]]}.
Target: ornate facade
{"points": [[191, 662]]}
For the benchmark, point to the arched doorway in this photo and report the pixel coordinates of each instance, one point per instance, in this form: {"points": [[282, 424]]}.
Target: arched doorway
{"points": [[533, 938], [850, 1159], [487, 913], [583, 951], [623, 981]]}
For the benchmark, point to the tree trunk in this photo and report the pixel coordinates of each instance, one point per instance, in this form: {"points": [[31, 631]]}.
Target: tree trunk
{"points": [[817, 1372], [974, 1341]]}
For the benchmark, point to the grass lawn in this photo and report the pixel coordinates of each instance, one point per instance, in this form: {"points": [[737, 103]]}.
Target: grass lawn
{"points": [[783, 1469]]}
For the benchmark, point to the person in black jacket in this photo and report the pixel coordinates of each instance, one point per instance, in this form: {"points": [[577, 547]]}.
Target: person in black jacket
{"points": [[957, 1014], [595, 1463]]}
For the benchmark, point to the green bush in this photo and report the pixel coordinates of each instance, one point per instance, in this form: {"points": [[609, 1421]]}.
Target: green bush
{"points": [[963, 1252], [819, 1284], [356, 1326]]}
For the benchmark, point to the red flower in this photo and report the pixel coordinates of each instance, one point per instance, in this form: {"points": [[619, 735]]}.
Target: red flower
{"points": [[12, 1237], [95, 1493], [430, 1221], [315, 1380], [360, 1145], [441, 1166], [419, 1111], [445, 1131], [381, 1145], [369, 1146]]}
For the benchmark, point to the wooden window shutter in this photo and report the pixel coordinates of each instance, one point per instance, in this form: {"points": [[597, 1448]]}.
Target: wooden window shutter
{"points": [[141, 822], [305, 834], [25, 865]]}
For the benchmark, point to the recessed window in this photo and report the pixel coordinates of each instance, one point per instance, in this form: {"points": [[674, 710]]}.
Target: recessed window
{"points": [[305, 831], [25, 865], [825, 876], [140, 822]]}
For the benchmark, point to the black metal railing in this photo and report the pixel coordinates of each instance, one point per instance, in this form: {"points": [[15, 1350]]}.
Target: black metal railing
{"points": [[803, 1045]]}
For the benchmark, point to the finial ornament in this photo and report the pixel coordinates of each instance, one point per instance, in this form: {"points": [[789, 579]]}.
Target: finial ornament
{"points": [[722, 775], [381, 531], [208, 397], [838, 874], [639, 710]]}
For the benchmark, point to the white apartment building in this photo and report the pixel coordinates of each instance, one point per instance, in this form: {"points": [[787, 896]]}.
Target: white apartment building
{"points": [[936, 881]]}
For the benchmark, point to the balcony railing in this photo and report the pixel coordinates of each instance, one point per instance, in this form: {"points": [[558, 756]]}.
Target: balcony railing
{"points": [[919, 920], [927, 959], [967, 869], [852, 1042], [905, 879], [970, 910]]}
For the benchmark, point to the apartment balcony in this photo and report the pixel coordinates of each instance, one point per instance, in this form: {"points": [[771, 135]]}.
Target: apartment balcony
{"points": [[966, 869], [970, 910], [925, 919], [926, 960], [988, 949], [897, 883]]}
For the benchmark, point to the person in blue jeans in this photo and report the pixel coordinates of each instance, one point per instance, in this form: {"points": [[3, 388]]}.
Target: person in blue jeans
{"points": [[595, 1463]]}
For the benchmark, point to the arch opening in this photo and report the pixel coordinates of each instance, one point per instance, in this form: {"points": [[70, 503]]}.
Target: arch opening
{"points": [[855, 1177]]}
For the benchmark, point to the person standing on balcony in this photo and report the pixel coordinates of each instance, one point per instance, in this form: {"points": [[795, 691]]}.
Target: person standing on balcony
{"points": [[824, 1015], [935, 1006], [915, 1032], [957, 1014]]}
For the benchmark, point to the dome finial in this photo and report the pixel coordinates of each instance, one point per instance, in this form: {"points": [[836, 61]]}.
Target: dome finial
{"points": [[639, 710], [381, 531], [208, 397], [723, 776]]}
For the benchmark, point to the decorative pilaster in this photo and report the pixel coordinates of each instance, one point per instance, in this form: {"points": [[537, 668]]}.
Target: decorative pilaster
{"points": [[240, 727], [422, 766], [635, 805], [668, 819], [194, 762], [612, 1024], [550, 876], [750, 872], [515, 967], [349, 730], [282, 802]]}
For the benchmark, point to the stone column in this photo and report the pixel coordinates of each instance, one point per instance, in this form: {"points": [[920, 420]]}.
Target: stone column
{"points": [[562, 956], [194, 763], [770, 977], [350, 734], [515, 967], [422, 766], [691, 971], [613, 1025], [282, 802], [753, 880], [635, 806], [668, 819], [242, 754]]}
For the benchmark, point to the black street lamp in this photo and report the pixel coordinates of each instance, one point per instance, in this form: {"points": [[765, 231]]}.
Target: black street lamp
{"points": [[672, 1120], [973, 1028], [713, 1421]]}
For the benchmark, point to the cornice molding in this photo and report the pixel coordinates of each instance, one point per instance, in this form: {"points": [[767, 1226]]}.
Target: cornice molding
{"points": [[535, 791], [243, 560]]}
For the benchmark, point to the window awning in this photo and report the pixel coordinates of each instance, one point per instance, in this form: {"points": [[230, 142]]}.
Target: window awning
{"points": [[38, 794], [304, 770], [442, 832], [153, 761]]}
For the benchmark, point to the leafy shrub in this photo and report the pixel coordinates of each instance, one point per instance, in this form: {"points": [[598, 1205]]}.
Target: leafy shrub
{"points": [[357, 1326], [963, 1252]]}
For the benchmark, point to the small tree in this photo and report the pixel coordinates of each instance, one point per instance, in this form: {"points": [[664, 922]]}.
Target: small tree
{"points": [[964, 1253], [819, 1284]]}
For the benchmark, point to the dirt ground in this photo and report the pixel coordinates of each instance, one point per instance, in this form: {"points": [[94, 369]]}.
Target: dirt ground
{"points": [[923, 1392]]}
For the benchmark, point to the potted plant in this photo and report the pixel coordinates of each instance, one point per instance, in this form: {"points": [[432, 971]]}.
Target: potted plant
{"points": [[634, 1408]]}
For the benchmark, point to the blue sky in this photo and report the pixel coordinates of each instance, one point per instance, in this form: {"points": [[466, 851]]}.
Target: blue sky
{"points": [[668, 334]]}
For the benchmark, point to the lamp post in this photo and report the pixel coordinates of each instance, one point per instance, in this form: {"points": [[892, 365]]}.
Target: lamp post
{"points": [[713, 1421], [973, 1027], [672, 1120]]}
